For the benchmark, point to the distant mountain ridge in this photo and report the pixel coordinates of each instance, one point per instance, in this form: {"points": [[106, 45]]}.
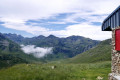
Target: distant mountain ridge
{"points": [[102, 52], [62, 47], [11, 53]]}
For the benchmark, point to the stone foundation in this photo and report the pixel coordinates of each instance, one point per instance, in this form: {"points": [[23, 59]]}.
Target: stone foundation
{"points": [[113, 76]]}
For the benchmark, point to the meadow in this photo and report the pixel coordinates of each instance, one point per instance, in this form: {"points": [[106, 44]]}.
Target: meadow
{"points": [[57, 71]]}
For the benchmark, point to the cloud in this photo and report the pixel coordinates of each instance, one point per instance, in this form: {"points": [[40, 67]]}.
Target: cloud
{"points": [[28, 28], [15, 14], [88, 30], [84, 29], [34, 9], [39, 9], [36, 51]]}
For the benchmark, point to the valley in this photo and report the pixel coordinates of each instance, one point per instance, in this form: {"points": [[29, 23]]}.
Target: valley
{"points": [[92, 63], [62, 47]]}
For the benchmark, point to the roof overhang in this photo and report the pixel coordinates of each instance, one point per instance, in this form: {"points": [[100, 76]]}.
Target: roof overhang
{"points": [[112, 21]]}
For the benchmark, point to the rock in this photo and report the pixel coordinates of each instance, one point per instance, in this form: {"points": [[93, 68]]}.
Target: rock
{"points": [[53, 67]]}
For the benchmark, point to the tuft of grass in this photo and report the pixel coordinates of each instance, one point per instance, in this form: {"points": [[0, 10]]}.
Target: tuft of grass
{"points": [[60, 72]]}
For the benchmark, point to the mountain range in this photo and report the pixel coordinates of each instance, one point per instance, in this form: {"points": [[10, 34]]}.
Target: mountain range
{"points": [[62, 47], [11, 53], [99, 53], [74, 49]]}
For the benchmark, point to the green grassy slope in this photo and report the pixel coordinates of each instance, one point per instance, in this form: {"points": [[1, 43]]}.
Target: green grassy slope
{"points": [[61, 72], [10, 53], [101, 52]]}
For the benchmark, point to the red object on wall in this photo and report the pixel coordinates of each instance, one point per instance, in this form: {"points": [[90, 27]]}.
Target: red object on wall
{"points": [[117, 40]]}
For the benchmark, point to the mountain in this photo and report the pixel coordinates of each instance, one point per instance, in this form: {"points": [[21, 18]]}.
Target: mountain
{"points": [[11, 53], [101, 52], [14, 37], [62, 47]]}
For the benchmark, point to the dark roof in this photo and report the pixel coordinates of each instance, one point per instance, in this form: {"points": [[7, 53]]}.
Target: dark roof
{"points": [[112, 13], [112, 21]]}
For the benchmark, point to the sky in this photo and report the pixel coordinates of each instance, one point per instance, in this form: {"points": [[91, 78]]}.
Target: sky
{"points": [[61, 18]]}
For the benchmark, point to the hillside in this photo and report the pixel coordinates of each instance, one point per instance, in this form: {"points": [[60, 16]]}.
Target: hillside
{"points": [[101, 52], [62, 47], [11, 53], [60, 72]]}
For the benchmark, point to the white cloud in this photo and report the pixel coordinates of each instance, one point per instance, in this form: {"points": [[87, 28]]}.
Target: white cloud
{"points": [[15, 13], [23, 27], [83, 29], [33, 9], [87, 30], [37, 9], [36, 51]]}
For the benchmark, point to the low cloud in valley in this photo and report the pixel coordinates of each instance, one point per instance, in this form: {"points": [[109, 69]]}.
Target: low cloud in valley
{"points": [[36, 51]]}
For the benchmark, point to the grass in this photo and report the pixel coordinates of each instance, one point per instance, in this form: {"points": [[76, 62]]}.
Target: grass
{"points": [[100, 53], [61, 72]]}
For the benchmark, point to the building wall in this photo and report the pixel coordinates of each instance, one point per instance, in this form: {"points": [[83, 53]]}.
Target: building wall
{"points": [[115, 67]]}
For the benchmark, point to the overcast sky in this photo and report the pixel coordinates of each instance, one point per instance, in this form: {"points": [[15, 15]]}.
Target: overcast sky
{"points": [[61, 18]]}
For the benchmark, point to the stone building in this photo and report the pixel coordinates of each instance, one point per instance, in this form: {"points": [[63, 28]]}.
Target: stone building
{"points": [[112, 23]]}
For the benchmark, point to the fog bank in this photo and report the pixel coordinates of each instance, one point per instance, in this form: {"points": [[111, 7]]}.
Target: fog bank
{"points": [[36, 51]]}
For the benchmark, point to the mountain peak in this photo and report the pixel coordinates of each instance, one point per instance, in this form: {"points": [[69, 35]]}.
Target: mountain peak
{"points": [[1, 36], [41, 36], [13, 35], [52, 36]]}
